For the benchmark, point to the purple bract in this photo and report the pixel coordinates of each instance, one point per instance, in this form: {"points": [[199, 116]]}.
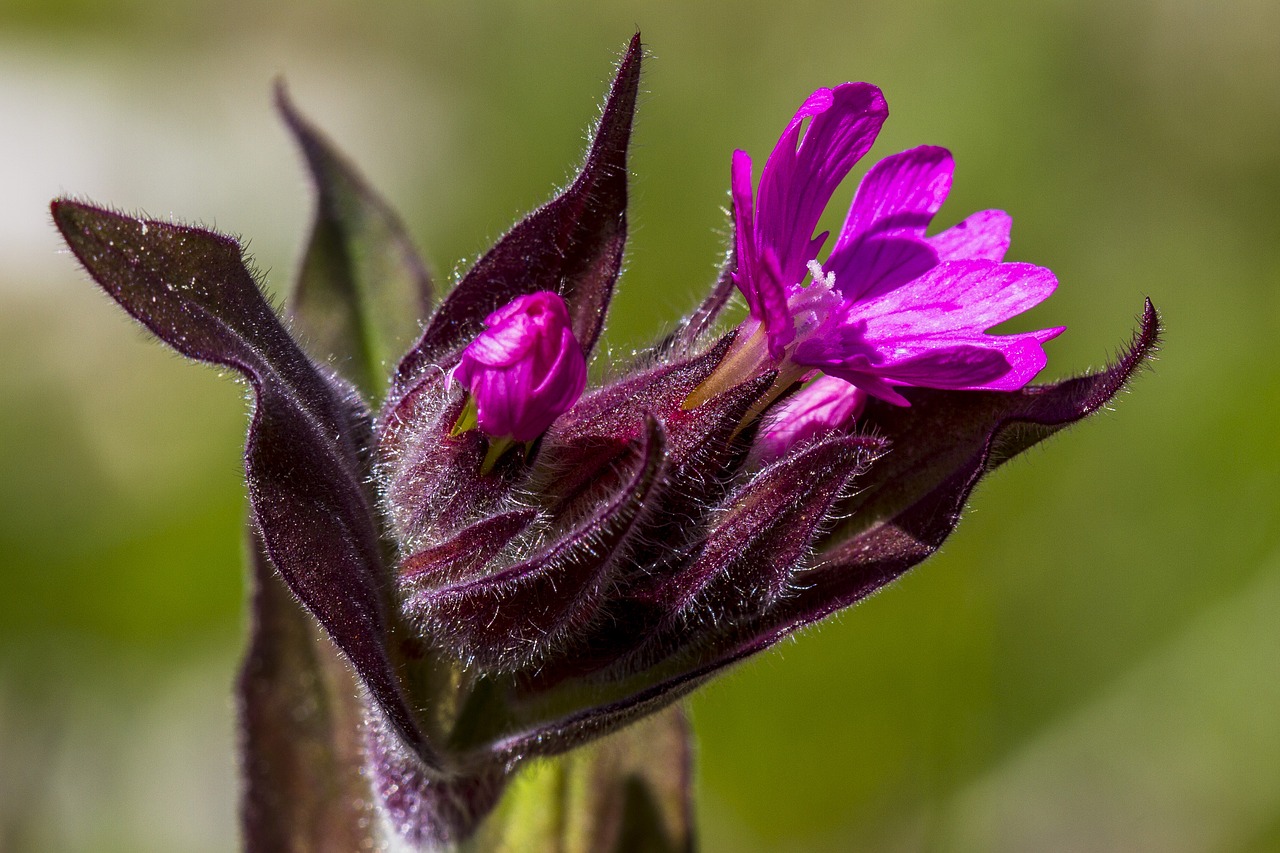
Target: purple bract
{"points": [[426, 618]]}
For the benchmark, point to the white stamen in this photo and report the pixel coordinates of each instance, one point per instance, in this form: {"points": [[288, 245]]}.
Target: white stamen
{"points": [[825, 280]]}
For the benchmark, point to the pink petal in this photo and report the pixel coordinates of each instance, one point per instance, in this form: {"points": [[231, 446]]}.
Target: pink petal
{"points": [[955, 298], [900, 195], [744, 225], [797, 182], [526, 370], [503, 344], [881, 244], [983, 236], [984, 362], [824, 406], [878, 264]]}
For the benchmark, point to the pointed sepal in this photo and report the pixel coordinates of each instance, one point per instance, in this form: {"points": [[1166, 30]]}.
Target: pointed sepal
{"points": [[766, 530], [572, 245]]}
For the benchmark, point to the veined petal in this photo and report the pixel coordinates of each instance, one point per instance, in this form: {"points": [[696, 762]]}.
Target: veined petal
{"points": [[960, 366], [899, 195], [881, 244], [982, 236], [827, 405], [741, 191], [526, 369], [502, 346], [758, 275], [797, 181], [930, 332], [955, 298], [984, 362], [879, 263]]}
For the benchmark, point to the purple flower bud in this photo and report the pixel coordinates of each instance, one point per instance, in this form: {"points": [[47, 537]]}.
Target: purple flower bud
{"points": [[824, 406], [525, 369]]}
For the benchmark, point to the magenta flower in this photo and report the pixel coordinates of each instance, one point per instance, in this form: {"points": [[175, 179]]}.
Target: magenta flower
{"points": [[889, 307], [427, 619], [825, 406], [525, 369]]}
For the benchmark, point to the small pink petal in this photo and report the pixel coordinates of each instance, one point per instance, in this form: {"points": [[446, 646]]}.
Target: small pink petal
{"points": [[899, 195], [824, 406]]}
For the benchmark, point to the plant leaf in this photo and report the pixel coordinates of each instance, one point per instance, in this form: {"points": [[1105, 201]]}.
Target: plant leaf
{"points": [[300, 722], [362, 288], [303, 463]]}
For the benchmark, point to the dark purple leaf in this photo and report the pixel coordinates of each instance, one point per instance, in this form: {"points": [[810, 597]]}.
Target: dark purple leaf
{"points": [[464, 557], [572, 245], [768, 528], [362, 287], [516, 614], [428, 810], [192, 289]]}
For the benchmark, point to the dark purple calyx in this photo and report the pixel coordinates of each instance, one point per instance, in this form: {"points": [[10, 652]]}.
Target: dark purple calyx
{"points": [[518, 614]]}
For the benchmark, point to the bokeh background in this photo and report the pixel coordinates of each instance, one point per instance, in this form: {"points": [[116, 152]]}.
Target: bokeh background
{"points": [[1093, 661]]}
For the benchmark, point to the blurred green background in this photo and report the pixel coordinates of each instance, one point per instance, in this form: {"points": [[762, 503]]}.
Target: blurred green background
{"points": [[1093, 661]]}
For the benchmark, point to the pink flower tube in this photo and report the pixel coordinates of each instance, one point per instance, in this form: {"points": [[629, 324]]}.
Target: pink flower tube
{"points": [[823, 407]]}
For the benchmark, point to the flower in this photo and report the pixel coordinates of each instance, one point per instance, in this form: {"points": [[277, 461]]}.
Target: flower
{"points": [[526, 369], [889, 307], [825, 406], [423, 625]]}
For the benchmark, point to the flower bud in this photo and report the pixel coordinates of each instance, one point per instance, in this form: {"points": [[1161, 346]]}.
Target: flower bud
{"points": [[824, 406], [526, 369]]}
